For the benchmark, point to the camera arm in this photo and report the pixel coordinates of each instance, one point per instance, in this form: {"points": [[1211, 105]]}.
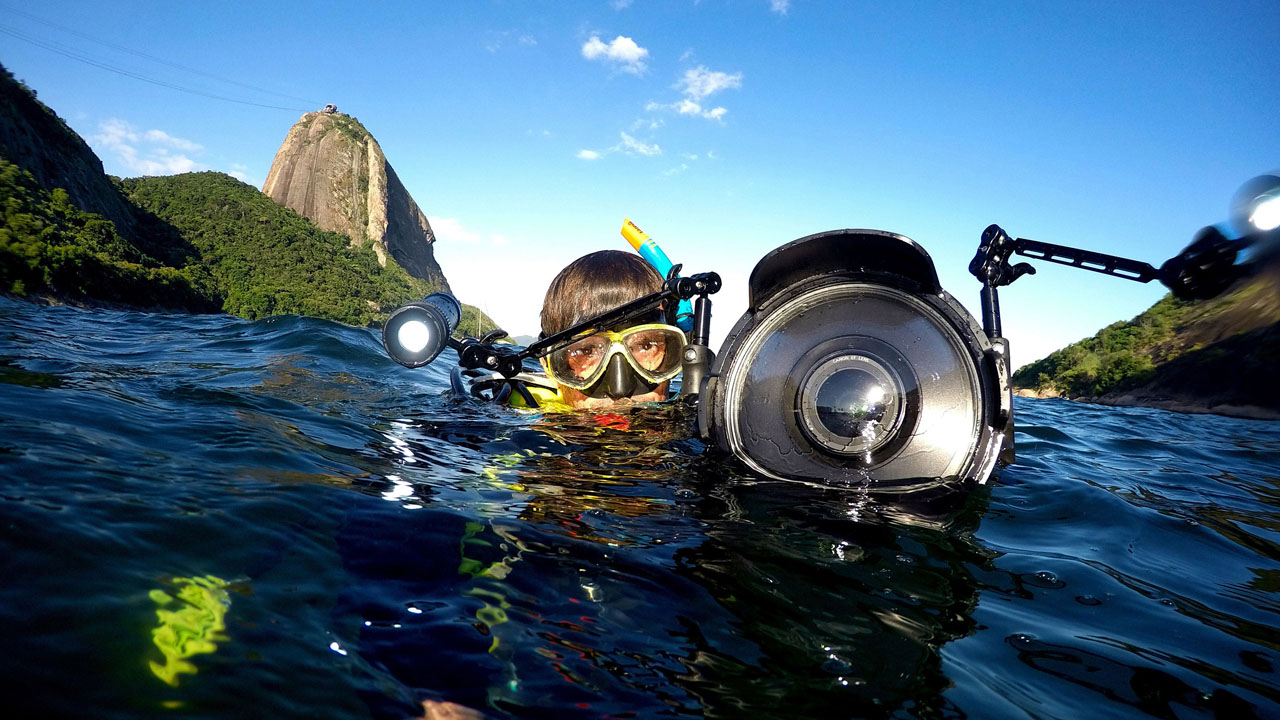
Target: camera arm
{"points": [[1202, 270]]}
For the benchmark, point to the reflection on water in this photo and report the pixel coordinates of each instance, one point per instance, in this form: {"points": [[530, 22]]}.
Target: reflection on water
{"points": [[383, 544]]}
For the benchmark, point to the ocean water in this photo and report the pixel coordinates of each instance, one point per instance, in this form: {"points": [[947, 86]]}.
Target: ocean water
{"points": [[204, 517]]}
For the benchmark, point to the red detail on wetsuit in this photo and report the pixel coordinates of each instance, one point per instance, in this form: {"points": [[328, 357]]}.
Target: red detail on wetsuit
{"points": [[617, 422]]}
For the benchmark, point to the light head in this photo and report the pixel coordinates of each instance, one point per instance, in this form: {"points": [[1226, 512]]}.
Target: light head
{"points": [[416, 333], [1256, 206]]}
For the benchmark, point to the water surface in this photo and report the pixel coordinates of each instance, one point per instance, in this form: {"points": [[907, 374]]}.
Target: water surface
{"points": [[309, 530]]}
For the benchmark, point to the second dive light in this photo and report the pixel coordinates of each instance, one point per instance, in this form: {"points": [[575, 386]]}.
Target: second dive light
{"points": [[416, 333]]}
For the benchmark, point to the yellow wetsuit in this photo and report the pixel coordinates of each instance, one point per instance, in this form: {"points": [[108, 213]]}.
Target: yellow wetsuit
{"points": [[549, 399]]}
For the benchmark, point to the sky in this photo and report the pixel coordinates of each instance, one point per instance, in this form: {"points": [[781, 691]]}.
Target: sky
{"points": [[527, 131]]}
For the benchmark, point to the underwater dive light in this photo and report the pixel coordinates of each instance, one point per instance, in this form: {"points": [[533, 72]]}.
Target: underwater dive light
{"points": [[416, 333], [1256, 205], [853, 366]]}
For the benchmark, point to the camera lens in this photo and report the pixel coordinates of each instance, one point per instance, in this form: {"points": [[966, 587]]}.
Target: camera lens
{"points": [[850, 404]]}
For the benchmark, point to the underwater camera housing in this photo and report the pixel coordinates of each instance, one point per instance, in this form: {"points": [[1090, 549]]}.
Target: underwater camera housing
{"points": [[853, 366]]}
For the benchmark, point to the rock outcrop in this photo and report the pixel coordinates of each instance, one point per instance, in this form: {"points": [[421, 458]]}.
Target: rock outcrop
{"points": [[331, 171], [34, 138]]}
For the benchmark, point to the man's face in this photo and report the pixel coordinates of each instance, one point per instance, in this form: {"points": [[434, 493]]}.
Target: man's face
{"points": [[579, 401], [640, 360]]}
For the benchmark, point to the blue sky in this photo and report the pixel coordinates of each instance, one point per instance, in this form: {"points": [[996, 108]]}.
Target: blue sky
{"points": [[527, 131]]}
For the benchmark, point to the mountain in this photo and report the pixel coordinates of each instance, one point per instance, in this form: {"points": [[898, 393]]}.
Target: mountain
{"points": [[331, 171], [199, 242], [1217, 355], [35, 139]]}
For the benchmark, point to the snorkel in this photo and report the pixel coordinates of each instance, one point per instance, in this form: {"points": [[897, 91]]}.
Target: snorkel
{"points": [[658, 260]]}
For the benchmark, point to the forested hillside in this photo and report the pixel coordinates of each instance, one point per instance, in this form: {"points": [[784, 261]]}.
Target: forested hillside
{"points": [[266, 259], [207, 243], [200, 242], [1217, 355], [49, 247]]}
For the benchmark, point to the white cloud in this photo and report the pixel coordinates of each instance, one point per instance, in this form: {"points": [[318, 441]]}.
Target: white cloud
{"points": [[700, 82], [696, 85], [496, 40], [630, 144], [240, 171], [676, 170], [690, 107], [149, 152], [650, 124], [161, 137], [450, 230], [621, 4], [782, 7], [623, 52]]}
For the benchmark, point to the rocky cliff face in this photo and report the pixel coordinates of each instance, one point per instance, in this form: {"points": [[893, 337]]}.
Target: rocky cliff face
{"points": [[34, 138], [331, 171]]}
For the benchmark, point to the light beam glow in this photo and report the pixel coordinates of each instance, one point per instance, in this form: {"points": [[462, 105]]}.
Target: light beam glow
{"points": [[414, 336]]}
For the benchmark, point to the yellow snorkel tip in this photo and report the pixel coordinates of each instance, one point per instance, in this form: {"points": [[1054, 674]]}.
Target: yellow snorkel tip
{"points": [[633, 234]]}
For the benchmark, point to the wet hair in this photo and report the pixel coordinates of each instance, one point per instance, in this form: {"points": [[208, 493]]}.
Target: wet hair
{"points": [[595, 284]]}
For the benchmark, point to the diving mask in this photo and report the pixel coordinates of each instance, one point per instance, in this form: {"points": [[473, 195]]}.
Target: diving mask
{"points": [[652, 351]]}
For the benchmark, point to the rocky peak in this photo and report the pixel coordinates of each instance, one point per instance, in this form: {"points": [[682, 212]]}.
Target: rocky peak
{"points": [[331, 171]]}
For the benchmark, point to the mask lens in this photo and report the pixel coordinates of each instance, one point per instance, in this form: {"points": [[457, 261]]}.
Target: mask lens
{"points": [[655, 351], [581, 363]]}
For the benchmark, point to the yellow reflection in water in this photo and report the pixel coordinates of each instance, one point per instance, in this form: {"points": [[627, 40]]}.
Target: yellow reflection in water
{"points": [[192, 622]]}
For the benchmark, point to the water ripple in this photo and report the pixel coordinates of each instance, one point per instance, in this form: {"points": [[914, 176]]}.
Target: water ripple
{"points": [[383, 544]]}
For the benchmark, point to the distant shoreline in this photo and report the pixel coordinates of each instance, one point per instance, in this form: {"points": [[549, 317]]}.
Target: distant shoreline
{"points": [[1189, 407]]}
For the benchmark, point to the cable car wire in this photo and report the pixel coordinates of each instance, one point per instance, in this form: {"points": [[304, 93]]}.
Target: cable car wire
{"points": [[80, 56]]}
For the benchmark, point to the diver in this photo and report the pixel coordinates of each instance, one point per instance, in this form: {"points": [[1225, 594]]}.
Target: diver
{"points": [[629, 363]]}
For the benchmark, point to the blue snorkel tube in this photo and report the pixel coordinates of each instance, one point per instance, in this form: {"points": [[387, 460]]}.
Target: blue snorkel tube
{"points": [[653, 255]]}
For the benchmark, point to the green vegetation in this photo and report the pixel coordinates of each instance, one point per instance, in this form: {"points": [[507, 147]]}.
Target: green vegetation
{"points": [[1124, 355], [209, 243], [202, 242], [1120, 356], [268, 260], [49, 246], [350, 127]]}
